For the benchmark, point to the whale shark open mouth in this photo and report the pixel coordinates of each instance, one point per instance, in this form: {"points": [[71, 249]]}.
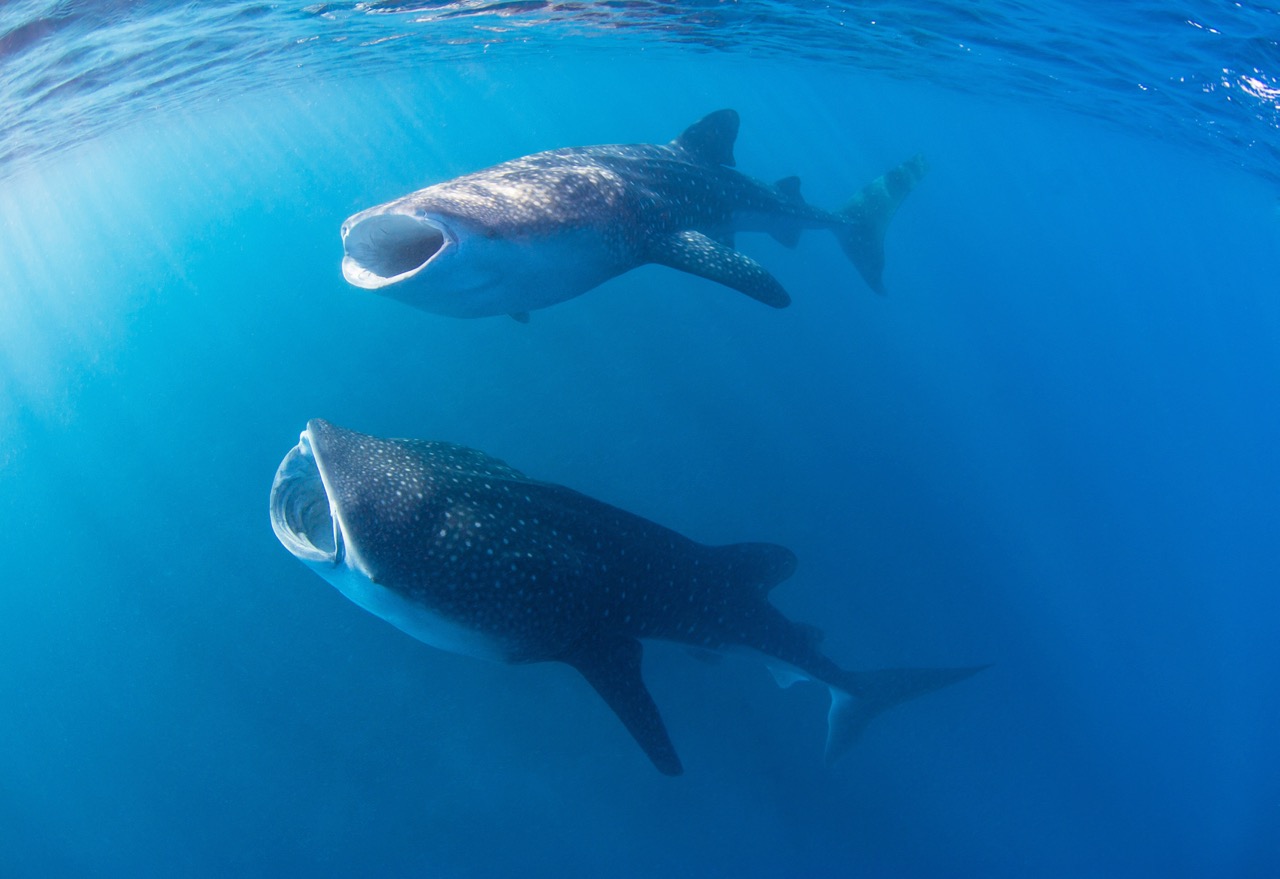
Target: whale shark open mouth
{"points": [[300, 510], [385, 249]]}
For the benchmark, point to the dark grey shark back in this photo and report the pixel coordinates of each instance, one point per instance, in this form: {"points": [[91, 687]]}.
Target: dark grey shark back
{"points": [[645, 189], [542, 572], [532, 562]]}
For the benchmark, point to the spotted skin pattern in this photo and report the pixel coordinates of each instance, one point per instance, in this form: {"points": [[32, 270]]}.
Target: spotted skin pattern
{"points": [[447, 539], [547, 227]]}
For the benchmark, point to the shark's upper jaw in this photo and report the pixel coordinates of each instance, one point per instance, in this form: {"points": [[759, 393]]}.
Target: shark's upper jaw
{"points": [[382, 249], [301, 513]]}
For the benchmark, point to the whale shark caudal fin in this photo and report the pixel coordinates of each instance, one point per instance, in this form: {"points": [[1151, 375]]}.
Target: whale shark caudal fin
{"points": [[701, 255], [865, 694], [611, 664], [868, 214]]}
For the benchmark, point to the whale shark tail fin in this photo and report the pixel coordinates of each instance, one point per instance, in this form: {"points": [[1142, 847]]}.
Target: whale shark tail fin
{"points": [[867, 216], [863, 695]]}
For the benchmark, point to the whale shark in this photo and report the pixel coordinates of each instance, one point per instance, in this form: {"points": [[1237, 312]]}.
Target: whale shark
{"points": [[467, 554], [538, 230]]}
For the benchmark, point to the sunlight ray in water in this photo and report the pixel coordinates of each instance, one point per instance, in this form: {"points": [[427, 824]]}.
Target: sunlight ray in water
{"points": [[1049, 446]]}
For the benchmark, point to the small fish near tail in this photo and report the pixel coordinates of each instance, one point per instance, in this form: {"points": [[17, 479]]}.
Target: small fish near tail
{"points": [[861, 696], [868, 214]]}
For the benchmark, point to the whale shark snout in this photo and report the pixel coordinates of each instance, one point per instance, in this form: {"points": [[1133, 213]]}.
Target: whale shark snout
{"points": [[381, 249]]}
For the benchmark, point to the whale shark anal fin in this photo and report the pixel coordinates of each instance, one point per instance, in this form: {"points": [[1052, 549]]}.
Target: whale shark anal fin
{"points": [[611, 664], [700, 255]]}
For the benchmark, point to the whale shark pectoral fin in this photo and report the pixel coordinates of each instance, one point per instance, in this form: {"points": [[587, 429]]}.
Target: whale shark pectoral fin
{"points": [[611, 664], [521, 317], [700, 255], [707, 657]]}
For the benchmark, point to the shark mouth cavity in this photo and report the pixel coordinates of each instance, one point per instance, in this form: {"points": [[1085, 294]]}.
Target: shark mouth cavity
{"points": [[300, 512], [385, 249]]}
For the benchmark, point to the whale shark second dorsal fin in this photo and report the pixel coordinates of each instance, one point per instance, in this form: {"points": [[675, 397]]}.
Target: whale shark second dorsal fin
{"points": [[710, 139], [789, 189]]}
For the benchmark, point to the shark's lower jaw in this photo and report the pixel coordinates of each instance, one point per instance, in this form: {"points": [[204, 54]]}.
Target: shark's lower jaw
{"points": [[300, 512], [385, 249]]}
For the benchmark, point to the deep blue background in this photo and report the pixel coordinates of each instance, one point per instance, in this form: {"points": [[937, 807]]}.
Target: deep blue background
{"points": [[1051, 447]]}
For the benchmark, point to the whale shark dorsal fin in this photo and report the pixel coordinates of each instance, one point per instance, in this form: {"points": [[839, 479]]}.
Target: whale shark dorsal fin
{"points": [[710, 139], [761, 565], [700, 255], [611, 664]]}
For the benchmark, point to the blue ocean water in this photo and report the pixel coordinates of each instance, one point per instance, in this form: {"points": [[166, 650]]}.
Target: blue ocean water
{"points": [[1050, 447]]}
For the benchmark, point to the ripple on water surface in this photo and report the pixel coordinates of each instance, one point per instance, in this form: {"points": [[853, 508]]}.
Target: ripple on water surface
{"points": [[1202, 73]]}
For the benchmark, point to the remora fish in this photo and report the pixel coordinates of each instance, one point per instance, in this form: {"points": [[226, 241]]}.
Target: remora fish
{"points": [[544, 228], [468, 555]]}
